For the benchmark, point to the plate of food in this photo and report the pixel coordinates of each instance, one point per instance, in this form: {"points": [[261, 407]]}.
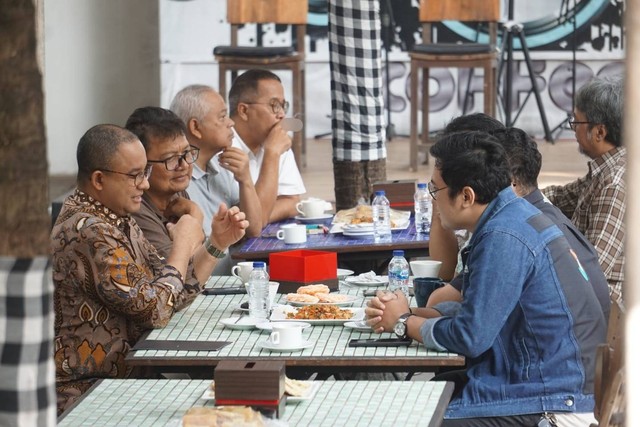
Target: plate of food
{"points": [[296, 390], [316, 314], [367, 279], [361, 218]]}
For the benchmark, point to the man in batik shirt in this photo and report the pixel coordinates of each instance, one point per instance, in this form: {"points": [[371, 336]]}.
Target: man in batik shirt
{"points": [[110, 283], [596, 203]]}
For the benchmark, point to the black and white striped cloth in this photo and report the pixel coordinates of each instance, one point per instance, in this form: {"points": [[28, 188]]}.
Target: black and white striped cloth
{"points": [[357, 104], [27, 372]]}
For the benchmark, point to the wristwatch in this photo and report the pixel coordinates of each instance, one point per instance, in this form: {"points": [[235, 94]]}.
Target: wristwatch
{"points": [[400, 328], [213, 251]]}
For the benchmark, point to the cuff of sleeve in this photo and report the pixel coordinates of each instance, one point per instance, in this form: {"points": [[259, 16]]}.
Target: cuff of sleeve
{"points": [[426, 331]]}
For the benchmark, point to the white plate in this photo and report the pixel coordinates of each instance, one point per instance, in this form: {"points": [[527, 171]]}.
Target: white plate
{"points": [[343, 273], [312, 220], [337, 226], [279, 314], [244, 322], [209, 393], [348, 302], [356, 280], [268, 326], [268, 345], [357, 327]]}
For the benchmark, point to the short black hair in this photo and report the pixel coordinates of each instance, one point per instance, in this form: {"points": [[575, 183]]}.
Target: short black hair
{"points": [[476, 121], [523, 156], [245, 87], [98, 146], [474, 159], [155, 122]]}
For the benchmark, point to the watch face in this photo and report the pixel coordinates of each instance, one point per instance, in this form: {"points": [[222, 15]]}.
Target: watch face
{"points": [[400, 328]]}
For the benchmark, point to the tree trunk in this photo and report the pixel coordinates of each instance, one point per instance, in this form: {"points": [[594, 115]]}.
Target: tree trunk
{"points": [[24, 194]]}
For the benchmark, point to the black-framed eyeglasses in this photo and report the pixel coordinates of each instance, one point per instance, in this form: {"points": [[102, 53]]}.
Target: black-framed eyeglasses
{"points": [[276, 106], [173, 162], [573, 122], [433, 189], [138, 178]]}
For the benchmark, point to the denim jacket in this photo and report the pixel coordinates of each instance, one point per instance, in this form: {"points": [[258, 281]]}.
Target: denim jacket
{"points": [[529, 322]]}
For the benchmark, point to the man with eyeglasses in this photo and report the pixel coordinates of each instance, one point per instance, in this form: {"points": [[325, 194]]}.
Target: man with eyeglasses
{"points": [[257, 106], [110, 283], [596, 203], [162, 134], [529, 323]]}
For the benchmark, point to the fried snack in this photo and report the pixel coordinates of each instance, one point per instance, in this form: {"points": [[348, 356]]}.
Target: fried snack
{"points": [[362, 214], [332, 298], [296, 388], [302, 298], [313, 289], [222, 416], [320, 312]]}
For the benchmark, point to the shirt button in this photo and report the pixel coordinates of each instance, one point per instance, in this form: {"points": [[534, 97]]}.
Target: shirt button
{"points": [[568, 402]]}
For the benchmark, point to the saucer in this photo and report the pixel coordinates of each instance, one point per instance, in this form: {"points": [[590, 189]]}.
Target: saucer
{"points": [[313, 220], [267, 345], [243, 322]]}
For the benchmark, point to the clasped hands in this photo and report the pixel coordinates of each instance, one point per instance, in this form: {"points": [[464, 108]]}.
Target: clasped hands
{"points": [[384, 310]]}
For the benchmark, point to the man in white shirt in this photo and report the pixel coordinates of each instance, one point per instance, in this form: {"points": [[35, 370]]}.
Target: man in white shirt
{"points": [[257, 106]]}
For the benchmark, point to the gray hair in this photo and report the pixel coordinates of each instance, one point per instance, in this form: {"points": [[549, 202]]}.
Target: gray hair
{"points": [[601, 101], [189, 103]]}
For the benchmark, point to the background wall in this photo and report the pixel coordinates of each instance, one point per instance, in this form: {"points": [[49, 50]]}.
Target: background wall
{"points": [[101, 62]]}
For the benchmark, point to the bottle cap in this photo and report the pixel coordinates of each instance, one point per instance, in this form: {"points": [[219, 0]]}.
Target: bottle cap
{"points": [[398, 252], [259, 264], [380, 193], [422, 185]]}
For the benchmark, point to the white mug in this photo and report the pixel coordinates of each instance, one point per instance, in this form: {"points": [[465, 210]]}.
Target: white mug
{"points": [[242, 270], [292, 233], [311, 208], [286, 335]]}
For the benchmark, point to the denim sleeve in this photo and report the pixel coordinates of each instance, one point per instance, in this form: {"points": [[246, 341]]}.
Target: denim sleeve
{"points": [[426, 331], [447, 308]]}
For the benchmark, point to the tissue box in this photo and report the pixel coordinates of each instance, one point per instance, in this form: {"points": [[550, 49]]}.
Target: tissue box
{"points": [[257, 384], [303, 267], [399, 192]]}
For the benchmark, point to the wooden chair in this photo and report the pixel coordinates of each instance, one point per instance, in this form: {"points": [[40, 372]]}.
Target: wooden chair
{"points": [[609, 379], [468, 55], [235, 58]]}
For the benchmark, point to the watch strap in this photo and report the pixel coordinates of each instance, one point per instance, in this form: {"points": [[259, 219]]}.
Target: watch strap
{"points": [[403, 320], [212, 250]]}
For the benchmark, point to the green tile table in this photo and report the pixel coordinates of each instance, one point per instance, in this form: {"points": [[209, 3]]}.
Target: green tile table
{"points": [[337, 403], [330, 353]]}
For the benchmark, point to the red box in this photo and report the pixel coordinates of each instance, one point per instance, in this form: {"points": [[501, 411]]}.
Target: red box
{"points": [[302, 267]]}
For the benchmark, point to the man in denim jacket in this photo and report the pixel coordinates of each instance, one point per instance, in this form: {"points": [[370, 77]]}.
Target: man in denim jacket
{"points": [[529, 322]]}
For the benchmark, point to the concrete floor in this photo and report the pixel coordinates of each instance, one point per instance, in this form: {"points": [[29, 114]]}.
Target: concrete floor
{"points": [[561, 163]]}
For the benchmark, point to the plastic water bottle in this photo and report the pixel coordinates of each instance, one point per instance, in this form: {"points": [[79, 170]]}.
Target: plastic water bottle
{"points": [[381, 212], [399, 273], [422, 206], [259, 291]]}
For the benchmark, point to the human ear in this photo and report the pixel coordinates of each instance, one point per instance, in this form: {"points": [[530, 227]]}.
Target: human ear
{"points": [[194, 128], [97, 180]]}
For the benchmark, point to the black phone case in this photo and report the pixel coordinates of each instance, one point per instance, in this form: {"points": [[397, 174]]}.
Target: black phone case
{"points": [[380, 342]]}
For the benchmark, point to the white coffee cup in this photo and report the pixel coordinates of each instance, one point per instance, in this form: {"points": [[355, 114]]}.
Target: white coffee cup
{"points": [[286, 335], [311, 208], [426, 268], [242, 270], [292, 233]]}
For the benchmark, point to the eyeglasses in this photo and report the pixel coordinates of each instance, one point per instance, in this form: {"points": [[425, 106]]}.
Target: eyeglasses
{"points": [[173, 162], [138, 178], [433, 189], [573, 123], [276, 106]]}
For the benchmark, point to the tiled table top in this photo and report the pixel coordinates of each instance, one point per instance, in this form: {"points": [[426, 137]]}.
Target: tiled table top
{"points": [[337, 403], [200, 322], [259, 247]]}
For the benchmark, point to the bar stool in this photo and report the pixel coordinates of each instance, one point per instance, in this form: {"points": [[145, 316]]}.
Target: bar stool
{"points": [[235, 57]]}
